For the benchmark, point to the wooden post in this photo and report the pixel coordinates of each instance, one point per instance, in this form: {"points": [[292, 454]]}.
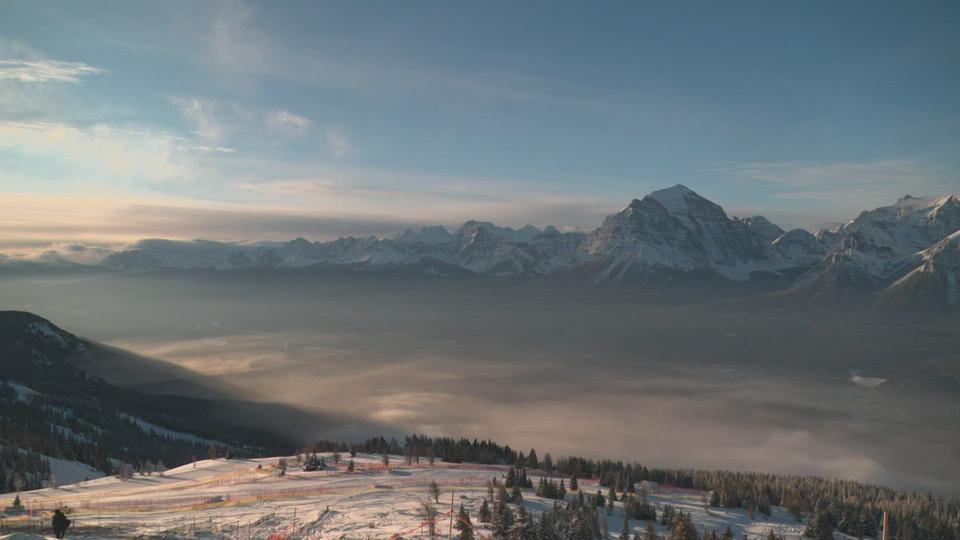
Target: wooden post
{"points": [[886, 526]]}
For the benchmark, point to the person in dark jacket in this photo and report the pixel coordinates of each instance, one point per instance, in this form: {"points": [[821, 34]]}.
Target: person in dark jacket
{"points": [[60, 523]]}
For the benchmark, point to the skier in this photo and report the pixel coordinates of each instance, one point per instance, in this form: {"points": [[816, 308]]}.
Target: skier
{"points": [[60, 523]]}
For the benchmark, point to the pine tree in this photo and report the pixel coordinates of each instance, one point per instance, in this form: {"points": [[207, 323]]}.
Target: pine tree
{"points": [[350, 466], [502, 516], [532, 461], [574, 485], [502, 521], [515, 494], [667, 515], [463, 524], [683, 528], [522, 528], [821, 527], [611, 496], [485, 512], [511, 478], [650, 532], [625, 529]]}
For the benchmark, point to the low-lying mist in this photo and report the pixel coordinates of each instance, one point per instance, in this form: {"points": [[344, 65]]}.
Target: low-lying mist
{"points": [[597, 372]]}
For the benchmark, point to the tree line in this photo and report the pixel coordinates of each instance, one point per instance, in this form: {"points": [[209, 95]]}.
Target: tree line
{"points": [[851, 507]]}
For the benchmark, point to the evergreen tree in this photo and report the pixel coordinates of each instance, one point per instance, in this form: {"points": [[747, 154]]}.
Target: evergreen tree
{"points": [[522, 528], [574, 485], [650, 531], [511, 478], [532, 461], [502, 515], [485, 512], [821, 527], [683, 528], [666, 516], [463, 524], [625, 528], [515, 495]]}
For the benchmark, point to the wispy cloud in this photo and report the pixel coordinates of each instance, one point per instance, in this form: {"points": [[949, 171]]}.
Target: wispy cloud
{"points": [[851, 185], [211, 120], [239, 46], [113, 156], [811, 175], [430, 199], [38, 71], [286, 122]]}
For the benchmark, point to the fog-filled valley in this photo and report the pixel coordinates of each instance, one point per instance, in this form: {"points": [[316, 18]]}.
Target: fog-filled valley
{"points": [[734, 383]]}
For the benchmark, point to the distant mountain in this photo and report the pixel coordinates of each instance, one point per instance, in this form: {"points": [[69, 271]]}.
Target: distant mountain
{"points": [[675, 230], [51, 407], [904, 251], [933, 284], [671, 230], [671, 236]]}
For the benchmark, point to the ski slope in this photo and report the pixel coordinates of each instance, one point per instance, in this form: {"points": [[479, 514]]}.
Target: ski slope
{"points": [[241, 498]]}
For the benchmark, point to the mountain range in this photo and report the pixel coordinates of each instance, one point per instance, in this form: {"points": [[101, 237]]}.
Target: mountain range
{"points": [[905, 254]]}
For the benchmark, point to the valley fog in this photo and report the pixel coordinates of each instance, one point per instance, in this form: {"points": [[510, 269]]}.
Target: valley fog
{"points": [[595, 372]]}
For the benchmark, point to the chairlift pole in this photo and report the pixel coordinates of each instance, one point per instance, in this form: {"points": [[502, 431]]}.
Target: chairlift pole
{"points": [[451, 514]]}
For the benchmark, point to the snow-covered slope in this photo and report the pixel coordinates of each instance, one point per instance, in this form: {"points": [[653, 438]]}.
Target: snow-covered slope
{"points": [[934, 283], [249, 499]]}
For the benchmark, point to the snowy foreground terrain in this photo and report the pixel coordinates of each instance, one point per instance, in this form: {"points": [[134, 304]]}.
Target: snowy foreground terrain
{"points": [[249, 499]]}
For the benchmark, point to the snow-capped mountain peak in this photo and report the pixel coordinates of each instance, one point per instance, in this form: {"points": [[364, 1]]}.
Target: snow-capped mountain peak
{"points": [[668, 231], [436, 234]]}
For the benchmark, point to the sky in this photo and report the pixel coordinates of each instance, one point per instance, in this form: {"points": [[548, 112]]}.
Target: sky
{"points": [[241, 120]]}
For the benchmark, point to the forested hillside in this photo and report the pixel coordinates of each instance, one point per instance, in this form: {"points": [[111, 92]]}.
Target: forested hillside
{"points": [[49, 408]]}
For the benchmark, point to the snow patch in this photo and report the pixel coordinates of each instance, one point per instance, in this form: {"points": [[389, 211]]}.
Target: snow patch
{"points": [[867, 382], [45, 331], [71, 472], [22, 392]]}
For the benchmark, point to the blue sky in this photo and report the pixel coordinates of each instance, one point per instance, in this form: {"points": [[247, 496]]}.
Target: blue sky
{"points": [[246, 120]]}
